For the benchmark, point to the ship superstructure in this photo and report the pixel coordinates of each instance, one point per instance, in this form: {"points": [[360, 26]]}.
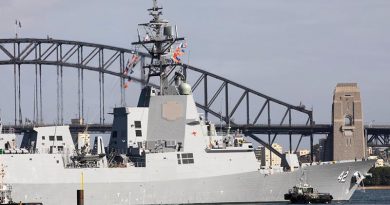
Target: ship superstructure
{"points": [[160, 152], [5, 189]]}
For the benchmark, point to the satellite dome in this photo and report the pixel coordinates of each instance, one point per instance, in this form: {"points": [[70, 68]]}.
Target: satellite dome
{"points": [[184, 89]]}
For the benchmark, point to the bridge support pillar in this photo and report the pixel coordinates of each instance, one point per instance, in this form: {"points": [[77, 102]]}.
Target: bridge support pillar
{"points": [[348, 129]]}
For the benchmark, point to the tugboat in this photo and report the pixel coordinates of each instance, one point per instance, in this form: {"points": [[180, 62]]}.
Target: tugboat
{"points": [[305, 194], [6, 190]]}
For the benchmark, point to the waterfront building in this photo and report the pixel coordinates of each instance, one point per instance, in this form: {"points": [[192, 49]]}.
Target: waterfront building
{"points": [[269, 159]]}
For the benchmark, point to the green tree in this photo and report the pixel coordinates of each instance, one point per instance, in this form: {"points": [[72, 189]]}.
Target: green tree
{"points": [[380, 177]]}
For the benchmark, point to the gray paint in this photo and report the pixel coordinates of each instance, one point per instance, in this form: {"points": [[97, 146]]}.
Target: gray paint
{"points": [[245, 187], [118, 138], [165, 128]]}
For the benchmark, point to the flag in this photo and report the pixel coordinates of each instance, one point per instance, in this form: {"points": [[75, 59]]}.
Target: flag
{"points": [[178, 52], [183, 45], [147, 38], [126, 84], [132, 63], [175, 59], [126, 71]]}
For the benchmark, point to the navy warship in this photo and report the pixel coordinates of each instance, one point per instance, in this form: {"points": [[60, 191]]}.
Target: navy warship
{"points": [[160, 152]]}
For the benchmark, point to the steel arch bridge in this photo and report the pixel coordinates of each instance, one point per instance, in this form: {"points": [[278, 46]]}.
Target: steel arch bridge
{"points": [[378, 135], [62, 53], [242, 107]]}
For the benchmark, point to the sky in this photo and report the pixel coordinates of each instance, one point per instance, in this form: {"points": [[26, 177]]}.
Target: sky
{"points": [[295, 51]]}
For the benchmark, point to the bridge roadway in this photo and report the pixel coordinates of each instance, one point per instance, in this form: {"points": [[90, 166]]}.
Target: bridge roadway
{"points": [[252, 129], [376, 135]]}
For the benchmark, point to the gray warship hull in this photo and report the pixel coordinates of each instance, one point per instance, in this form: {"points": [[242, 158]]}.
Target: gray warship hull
{"points": [[127, 186]]}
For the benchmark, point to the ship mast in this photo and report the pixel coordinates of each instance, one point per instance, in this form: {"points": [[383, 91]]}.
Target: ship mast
{"points": [[158, 38], [2, 174]]}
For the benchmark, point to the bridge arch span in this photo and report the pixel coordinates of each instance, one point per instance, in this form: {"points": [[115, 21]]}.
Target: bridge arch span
{"points": [[258, 108], [81, 55]]}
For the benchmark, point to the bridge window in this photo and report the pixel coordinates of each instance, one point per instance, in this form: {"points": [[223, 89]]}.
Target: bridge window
{"points": [[178, 159], [185, 158], [137, 124], [138, 133], [348, 120]]}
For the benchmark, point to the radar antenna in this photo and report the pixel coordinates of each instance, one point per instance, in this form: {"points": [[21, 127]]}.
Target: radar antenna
{"points": [[158, 39]]}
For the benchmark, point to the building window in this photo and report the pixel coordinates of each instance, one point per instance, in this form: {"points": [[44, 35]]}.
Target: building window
{"points": [[59, 138], [51, 138], [187, 158], [60, 148], [138, 133], [43, 137], [348, 120], [137, 124], [178, 159]]}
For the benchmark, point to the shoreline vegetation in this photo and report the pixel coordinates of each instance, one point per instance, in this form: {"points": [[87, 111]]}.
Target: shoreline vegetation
{"points": [[380, 178]]}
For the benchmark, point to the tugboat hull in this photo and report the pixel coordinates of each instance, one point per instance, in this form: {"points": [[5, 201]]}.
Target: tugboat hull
{"points": [[309, 199]]}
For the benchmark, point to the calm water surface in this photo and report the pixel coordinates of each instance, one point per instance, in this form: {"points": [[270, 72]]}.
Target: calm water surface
{"points": [[371, 197], [365, 197]]}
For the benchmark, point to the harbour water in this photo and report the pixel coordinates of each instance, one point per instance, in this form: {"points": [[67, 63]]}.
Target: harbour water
{"points": [[368, 196], [379, 196]]}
